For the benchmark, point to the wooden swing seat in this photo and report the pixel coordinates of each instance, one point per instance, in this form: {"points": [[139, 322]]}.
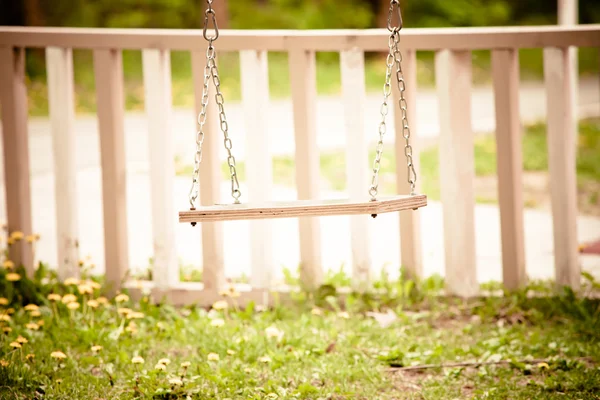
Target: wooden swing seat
{"points": [[302, 208]]}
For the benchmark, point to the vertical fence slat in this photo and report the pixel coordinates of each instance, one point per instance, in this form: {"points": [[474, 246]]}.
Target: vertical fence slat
{"points": [[157, 87], [59, 65], [561, 165], [108, 69], [357, 159], [255, 99], [410, 227], [457, 170], [505, 71], [13, 98], [302, 67], [213, 261]]}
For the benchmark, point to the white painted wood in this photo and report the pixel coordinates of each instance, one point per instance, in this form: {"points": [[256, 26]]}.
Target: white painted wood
{"points": [[302, 67], [568, 16], [108, 69], [59, 67], [259, 163], [411, 256], [562, 166], [158, 100], [505, 71], [357, 160], [213, 261], [13, 99], [457, 170]]}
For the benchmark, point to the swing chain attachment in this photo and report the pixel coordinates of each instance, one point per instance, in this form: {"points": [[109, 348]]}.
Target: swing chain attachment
{"points": [[394, 57], [212, 72]]}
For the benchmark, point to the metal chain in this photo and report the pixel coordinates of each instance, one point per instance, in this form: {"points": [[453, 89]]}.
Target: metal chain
{"points": [[394, 57], [211, 71]]}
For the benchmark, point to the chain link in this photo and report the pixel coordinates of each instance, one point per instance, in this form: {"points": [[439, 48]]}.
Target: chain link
{"points": [[394, 57]]}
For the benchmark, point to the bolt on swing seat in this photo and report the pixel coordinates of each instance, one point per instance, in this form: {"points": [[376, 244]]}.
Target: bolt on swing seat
{"points": [[302, 208]]}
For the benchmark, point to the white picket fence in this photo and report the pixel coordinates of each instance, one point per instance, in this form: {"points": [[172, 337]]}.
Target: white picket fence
{"points": [[453, 76]]}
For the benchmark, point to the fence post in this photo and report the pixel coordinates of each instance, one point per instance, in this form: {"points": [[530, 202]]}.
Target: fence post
{"points": [[59, 65], [561, 165], [505, 71], [13, 98], [410, 225], [157, 86], [304, 95], [457, 170], [255, 100], [108, 68]]}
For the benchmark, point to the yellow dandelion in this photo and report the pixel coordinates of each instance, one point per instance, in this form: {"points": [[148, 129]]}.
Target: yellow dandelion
{"points": [[5, 317], [59, 355], [13, 277], [273, 332], [3, 301], [35, 313], [8, 264], [59, 381], [10, 241], [543, 365], [4, 363], [10, 311], [122, 298], [93, 284], [160, 367], [131, 328], [40, 322], [15, 345], [102, 300], [73, 306], [30, 357], [54, 297], [22, 340], [175, 382], [230, 352], [316, 311], [71, 281], [165, 361], [32, 238], [93, 303], [69, 298], [30, 307], [264, 359], [81, 263], [7, 329], [96, 349], [83, 289], [137, 360], [220, 305], [185, 364], [218, 322], [124, 311], [32, 326], [135, 315], [213, 357], [17, 235]]}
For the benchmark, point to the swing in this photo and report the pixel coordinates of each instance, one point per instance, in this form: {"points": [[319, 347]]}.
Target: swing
{"points": [[302, 208]]}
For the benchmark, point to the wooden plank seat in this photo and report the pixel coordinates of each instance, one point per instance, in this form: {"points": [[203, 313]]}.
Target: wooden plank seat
{"points": [[302, 208]]}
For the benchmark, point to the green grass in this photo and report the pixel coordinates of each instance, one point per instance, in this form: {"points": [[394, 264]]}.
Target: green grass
{"points": [[318, 346]]}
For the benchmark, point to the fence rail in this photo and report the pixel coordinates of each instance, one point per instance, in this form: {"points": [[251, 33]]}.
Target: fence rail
{"points": [[453, 76]]}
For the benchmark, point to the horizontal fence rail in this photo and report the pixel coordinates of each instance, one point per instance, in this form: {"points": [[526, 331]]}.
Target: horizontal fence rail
{"points": [[453, 48]]}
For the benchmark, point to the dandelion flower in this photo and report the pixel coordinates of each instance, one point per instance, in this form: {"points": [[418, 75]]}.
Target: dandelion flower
{"points": [[135, 315], [543, 365], [185, 364], [93, 303], [54, 297], [3, 301], [96, 349], [59, 355], [10, 311], [175, 382], [132, 327], [71, 281], [316, 311], [32, 238], [30, 357], [220, 305], [93, 284], [213, 357], [124, 311], [273, 332], [10, 241], [164, 361], [30, 307], [264, 359], [32, 326], [40, 322], [217, 322], [230, 352], [121, 298], [13, 277], [7, 329], [8, 264], [343, 314], [35, 313], [16, 235], [137, 360], [102, 300], [22, 340], [83, 289], [73, 306], [4, 317], [59, 381], [69, 298], [4, 363], [15, 345], [160, 367]]}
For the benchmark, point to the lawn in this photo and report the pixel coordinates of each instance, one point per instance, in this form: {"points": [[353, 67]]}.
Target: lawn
{"points": [[398, 340]]}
